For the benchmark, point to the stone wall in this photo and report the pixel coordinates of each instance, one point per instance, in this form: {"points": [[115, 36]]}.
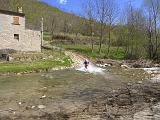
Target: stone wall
{"points": [[32, 41], [29, 40]]}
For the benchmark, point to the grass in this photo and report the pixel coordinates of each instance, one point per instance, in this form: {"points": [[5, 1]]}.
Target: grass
{"points": [[47, 36], [86, 50], [58, 60], [67, 36], [34, 66]]}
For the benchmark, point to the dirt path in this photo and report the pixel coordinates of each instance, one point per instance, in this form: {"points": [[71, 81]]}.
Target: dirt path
{"points": [[76, 58]]}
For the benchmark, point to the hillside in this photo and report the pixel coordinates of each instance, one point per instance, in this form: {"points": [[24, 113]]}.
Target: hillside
{"points": [[54, 19]]}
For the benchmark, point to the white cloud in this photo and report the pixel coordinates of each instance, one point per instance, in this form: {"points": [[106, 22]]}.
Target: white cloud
{"points": [[63, 1]]}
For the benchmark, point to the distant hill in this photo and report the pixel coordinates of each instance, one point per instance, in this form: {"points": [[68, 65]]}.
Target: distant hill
{"points": [[54, 19]]}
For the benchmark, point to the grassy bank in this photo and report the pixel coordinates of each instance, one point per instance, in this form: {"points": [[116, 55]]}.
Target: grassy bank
{"points": [[16, 67], [115, 53], [31, 61]]}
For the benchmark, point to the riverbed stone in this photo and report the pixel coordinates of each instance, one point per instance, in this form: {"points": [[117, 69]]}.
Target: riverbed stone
{"points": [[19, 74], [41, 106], [124, 66], [140, 82]]}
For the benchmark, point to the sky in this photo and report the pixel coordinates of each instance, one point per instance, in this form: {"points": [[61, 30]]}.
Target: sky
{"points": [[76, 6]]}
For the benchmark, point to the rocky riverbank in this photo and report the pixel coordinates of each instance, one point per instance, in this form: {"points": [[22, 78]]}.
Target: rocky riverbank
{"points": [[127, 63]]}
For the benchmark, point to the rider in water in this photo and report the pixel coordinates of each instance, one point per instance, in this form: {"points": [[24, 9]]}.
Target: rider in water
{"points": [[86, 63]]}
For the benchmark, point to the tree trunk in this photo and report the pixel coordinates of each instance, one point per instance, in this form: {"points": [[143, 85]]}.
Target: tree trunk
{"points": [[101, 39], [109, 40]]}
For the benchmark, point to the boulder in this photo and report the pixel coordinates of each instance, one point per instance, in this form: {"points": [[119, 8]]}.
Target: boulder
{"points": [[50, 57], [19, 74], [136, 65], [157, 65], [44, 96], [41, 106], [124, 66], [99, 62], [140, 82], [11, 58], [107, 65]]}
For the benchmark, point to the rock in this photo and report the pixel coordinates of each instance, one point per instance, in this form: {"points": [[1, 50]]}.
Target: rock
{"points": [[152, 75], [44, 96], [29, 59], [33, 107], [11, 58], [140, 82], [20, 103], [45, 88], [124, 66], [129, 84], [134, 91], [19, 74], [152, 99], [54, 69], [99, 62], [100, 65], [136, 65], [50, 57], [11, 109], [43, 75], [107, 65], [41, 106]]}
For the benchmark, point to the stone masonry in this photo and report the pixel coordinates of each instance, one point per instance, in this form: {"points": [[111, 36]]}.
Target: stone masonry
{"points": [[16, 36]]}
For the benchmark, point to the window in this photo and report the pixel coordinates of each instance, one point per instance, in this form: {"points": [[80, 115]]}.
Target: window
{"points": [[16, 37], [16, 20]]}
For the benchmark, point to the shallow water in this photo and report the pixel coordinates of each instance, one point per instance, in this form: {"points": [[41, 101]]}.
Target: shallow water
{"points": [[92, 69], [155, 74], [153, 70]]}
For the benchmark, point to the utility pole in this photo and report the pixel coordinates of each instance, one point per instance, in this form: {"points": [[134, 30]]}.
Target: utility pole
{"points": [[42, 30]]}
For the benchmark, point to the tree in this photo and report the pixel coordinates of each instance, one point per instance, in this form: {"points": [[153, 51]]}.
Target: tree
{"points": [[153, 18], [130, 27], [4, 4], [112, 15], [90, 21], [136, 35], [101, 16]]}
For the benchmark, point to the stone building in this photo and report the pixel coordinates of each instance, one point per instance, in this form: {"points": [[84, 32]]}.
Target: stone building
{"points": [[14, 35]]}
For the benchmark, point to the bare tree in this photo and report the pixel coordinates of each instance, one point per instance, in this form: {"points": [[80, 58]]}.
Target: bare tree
{"points": [[112, 15], [90, 21], [152, 8], [149, 35], [101, 16], [5, 4], [135, 25]]}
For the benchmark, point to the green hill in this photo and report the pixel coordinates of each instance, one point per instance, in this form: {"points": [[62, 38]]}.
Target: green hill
{"points": [[54, 19]]}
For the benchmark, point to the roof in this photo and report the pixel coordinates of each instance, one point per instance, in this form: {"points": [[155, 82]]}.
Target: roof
{"points": [[12, 13]]}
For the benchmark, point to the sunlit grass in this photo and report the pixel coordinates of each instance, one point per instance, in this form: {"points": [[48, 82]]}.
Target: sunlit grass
{"points": [[34, 66], [115, 53]]}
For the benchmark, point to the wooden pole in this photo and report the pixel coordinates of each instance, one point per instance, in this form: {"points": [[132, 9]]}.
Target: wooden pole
{"points": [[42, 30]]}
